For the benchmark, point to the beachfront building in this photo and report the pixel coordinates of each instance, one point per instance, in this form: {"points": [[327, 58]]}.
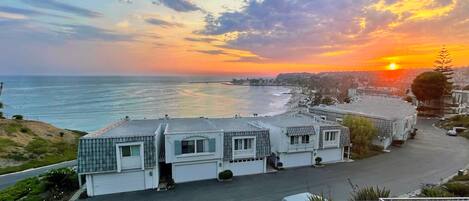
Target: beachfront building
{"points": [[147, 153], [297, 139], [461, 98], [393, 117]]}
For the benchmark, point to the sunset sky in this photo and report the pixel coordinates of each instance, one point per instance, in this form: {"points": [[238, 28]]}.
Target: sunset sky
{"points": [[230, 37]]}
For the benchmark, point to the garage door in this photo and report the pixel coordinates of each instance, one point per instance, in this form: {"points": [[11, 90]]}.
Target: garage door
{"points": [[330, 155], [194, 172], [296, 159], [118, 182], [245, 168]]}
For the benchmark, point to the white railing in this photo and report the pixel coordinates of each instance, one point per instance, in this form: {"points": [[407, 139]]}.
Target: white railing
{"points": [[300, 147]]}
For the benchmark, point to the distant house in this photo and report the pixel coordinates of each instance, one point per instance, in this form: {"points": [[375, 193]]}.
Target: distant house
{"points": [[145, 153], [393, 117], [461, 98]]}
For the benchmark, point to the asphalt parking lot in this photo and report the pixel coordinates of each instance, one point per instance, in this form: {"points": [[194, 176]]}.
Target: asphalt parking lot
{"points": [[429, 158]]}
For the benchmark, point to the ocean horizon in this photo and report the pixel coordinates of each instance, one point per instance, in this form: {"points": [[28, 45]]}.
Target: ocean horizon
{"points": [[89, 103]]}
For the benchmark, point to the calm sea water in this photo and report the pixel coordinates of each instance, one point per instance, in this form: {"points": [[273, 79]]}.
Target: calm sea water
{"points": [[89, 103]]}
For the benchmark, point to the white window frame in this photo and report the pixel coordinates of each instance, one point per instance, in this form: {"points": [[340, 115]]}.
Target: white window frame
{"points": [[339, 120], [304, 136], [330, 143], [119, 154], [206, 146], [251, 154]]}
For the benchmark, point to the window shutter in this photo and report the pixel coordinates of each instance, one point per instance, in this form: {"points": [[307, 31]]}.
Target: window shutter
{"points": [[211, 145], [177, 147]]}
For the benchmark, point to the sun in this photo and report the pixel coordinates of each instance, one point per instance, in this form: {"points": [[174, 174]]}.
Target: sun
{"points": [[392, 66]]}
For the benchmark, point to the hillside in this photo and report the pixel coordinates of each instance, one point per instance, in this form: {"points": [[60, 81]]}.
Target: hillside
{"points": [[26, 144]]}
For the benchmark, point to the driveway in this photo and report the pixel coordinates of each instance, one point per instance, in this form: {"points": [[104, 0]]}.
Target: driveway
{"points": [[10, 179], [427, 159]]}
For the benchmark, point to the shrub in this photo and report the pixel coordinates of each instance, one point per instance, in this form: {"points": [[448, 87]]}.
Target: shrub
{"points": [[63, 179], [17, 117], [370, 193], [27, 189], [461, 178], [17, 156], [362, 132], [62, 134], [318, 160], [5, 143], [38, 146], [25, 130], [227, 174], [435, 192], [457, 189]]}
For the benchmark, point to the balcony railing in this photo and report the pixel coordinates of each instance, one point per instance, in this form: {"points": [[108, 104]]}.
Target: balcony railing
{"points": [[301, 147]]}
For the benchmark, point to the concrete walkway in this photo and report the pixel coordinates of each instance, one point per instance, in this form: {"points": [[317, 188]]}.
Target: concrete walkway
{"points": [[427, 159], [10, 179]]}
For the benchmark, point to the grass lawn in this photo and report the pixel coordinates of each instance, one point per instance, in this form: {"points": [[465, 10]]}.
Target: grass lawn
{"points": [[374, 150], [458, 186], [47, 153], [456, 121], [26, 144], [57, 184]]}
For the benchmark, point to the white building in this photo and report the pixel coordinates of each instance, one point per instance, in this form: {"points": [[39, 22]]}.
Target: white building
{"points": [[144, 153], [461, 98], [393, 117]]}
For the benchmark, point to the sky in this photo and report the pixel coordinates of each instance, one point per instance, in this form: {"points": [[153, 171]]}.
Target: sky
{"points": [[227, 37]]}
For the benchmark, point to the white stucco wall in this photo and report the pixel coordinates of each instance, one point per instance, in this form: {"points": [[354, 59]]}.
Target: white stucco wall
{"points": [[245, 168], [172, 158]]}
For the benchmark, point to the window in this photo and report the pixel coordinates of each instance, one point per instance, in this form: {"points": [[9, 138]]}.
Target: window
{"points": [[330, 135], [294, 140], [243, 144], [194, 146], [133, 150], [305, 139]]}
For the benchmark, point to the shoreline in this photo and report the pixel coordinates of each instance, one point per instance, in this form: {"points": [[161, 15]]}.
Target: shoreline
{"points": [[295, 97]]}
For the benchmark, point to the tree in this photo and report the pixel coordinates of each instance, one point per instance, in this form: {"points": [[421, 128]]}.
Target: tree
{"points": [[429, 86], [443, 64], [362, 133]]}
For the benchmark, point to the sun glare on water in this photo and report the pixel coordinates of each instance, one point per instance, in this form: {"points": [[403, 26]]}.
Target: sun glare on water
{"points": [[393, 66]]}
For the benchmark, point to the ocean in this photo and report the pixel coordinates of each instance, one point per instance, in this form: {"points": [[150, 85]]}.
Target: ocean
{"points": [[88, 103]]}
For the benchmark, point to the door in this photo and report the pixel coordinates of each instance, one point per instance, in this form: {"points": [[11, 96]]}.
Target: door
{"points": [[118, 182], [330, 155], [296, 159], [194, 172]]}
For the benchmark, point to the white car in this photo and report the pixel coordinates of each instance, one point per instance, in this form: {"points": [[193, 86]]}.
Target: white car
{"points": [[452, 133], [301, 197]]}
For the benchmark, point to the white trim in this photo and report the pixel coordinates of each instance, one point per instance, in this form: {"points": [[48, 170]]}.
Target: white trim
{"points": [[337, 138], [247, 155], [118, 154]]}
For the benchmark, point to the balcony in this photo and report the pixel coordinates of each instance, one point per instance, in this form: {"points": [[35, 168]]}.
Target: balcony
{"points": [[301, 147], [243, 154]]}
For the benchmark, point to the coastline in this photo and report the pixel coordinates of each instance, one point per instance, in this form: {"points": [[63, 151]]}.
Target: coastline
{"points": [[295, 97]]}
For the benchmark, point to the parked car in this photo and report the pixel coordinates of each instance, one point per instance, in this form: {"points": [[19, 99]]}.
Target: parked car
{"points": [[452, 133], [455, 131], [301, 197]]}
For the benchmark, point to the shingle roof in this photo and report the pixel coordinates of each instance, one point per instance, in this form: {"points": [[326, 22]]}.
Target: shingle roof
{"points": [[374, 106], [300, 130]]}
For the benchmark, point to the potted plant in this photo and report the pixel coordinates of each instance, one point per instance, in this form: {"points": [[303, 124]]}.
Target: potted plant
{"points": [[318, 161], [225, 175]]}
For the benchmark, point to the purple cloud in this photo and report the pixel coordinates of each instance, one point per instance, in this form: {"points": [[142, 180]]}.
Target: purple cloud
{"points": [[179, 5]]}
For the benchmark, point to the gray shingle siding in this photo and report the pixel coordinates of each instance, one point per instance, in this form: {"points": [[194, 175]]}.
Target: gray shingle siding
{"points": [[300, 130], [262, 143], [99, 154], [384, 126], [344, 135]]}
